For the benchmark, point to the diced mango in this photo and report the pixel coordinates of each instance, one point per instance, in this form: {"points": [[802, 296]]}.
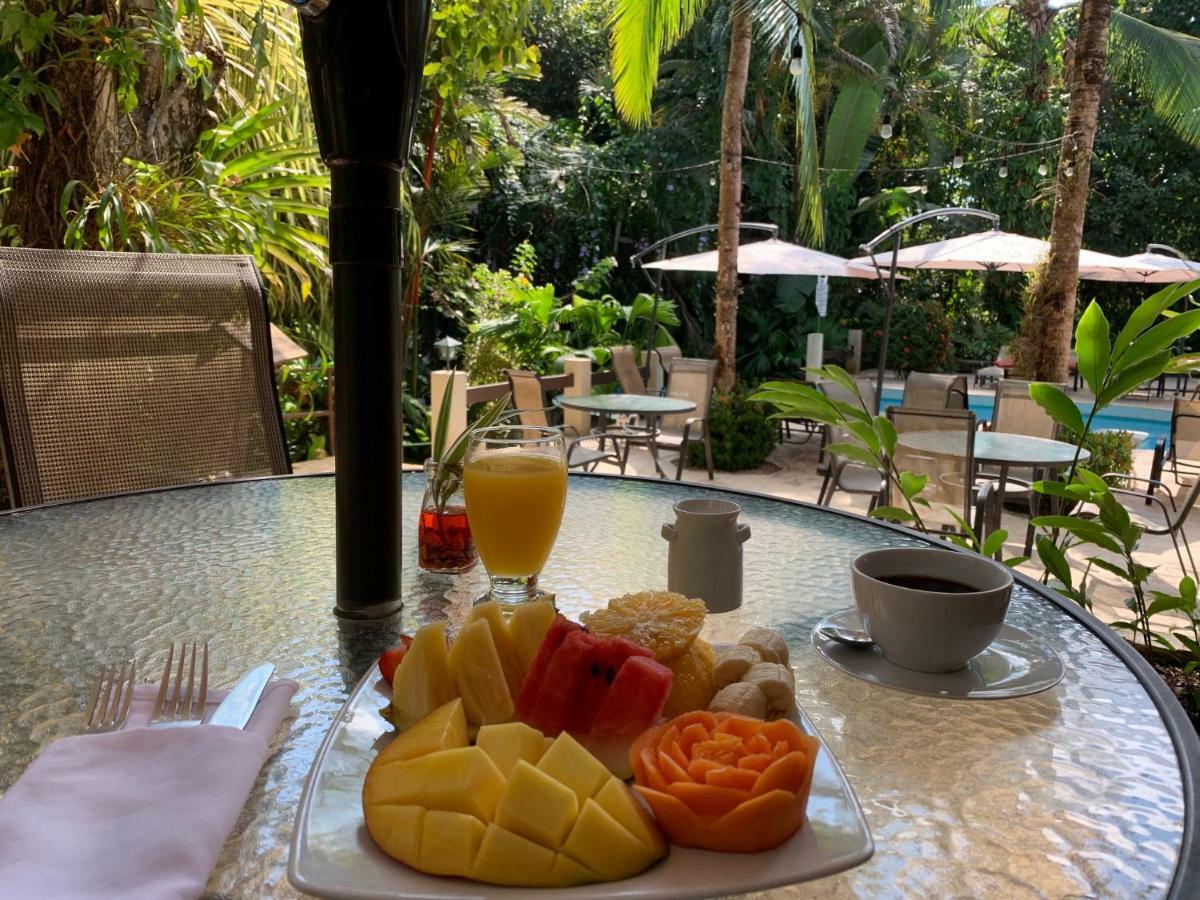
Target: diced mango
{"points": [[528, 626], [422, 682], [616, 799], [397, 829], [604, 846], [464, 780], [570, 763], [511, 742], [537, 807], [443, 729], [493, 613], [449, 843], [507, 858], [569, 873], [479, 676]]}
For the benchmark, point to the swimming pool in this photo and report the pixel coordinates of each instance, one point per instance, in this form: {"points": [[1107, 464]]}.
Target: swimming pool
{"points": [[1155, 422]]}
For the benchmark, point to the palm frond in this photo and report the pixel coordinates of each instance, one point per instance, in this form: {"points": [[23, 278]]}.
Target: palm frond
{"points": [[1161, 65], [642, 30], [811, 225]]}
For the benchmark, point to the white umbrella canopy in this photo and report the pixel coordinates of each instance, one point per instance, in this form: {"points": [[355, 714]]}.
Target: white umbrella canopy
{"points": [[995, 251], [1158, 268], [770, 257]]}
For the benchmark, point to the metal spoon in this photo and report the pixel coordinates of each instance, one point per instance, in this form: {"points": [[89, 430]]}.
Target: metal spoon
{"points": [[851, 637]]}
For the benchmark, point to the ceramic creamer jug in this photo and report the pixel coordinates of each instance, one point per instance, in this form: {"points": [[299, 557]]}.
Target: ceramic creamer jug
{"points": [[705, 556]]}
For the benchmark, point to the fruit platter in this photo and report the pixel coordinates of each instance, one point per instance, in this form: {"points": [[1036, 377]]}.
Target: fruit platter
{"points": [[618, 756]]}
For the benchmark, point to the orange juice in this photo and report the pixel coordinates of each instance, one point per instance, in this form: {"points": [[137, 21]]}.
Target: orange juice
{"points": [[515, 505]]}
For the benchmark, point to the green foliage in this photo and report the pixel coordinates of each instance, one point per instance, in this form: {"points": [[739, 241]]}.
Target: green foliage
{"points": [[741, 433], [303, 387], [1112, 452], [920, 336]]}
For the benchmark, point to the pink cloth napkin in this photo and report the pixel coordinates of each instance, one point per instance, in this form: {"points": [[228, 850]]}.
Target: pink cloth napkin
{"points": [[135, 813]]}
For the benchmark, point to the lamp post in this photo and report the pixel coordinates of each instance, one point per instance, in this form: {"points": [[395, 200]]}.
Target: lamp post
{"points": [[448, 349]]}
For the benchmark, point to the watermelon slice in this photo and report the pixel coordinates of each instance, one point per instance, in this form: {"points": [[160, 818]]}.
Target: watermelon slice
{"points": [[527, 696], [611, 654], [636, 698], [564, 682]]}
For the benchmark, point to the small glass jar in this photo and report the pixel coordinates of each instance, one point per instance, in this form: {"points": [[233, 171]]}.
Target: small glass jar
{"points": [[443, 535]]}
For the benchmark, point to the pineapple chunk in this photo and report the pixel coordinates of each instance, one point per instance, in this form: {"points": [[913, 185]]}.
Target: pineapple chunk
{"points": [[511, 742], [537, 807], [493, 613], [507, 858], [397, 829], [463, 780], [599, 842], [479, 675], [449, 843], [567, 761], [528, 626], [422, 682], [443, 729]]}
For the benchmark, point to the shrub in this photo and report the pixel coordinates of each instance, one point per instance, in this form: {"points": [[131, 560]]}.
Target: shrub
{"points": [[742, 436], [919, 341], [1112, 451]]}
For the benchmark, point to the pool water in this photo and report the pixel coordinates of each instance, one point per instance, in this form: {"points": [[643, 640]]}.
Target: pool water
{"points": [[1155, 422]]}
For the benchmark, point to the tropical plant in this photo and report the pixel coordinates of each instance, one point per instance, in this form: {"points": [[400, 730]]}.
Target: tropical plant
{"points": [[741, 434], [449, 455], [303, 388]]}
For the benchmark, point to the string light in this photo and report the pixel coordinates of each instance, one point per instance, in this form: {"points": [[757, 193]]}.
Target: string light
{"points": [[1043, 167], [1070, 169], [796, 63], [1004, 168], [561, 184], [958, 158], [712, 181], [645, 193], [885, 127]]}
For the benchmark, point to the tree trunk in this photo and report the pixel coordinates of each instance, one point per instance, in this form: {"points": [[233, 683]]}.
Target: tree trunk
{"points": [[1051, 315], [729, 209]]}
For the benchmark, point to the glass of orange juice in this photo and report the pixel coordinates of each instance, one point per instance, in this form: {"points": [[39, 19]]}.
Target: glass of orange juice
{"points": [[515, 485]]}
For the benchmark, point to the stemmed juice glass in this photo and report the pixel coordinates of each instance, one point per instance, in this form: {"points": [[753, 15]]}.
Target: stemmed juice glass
{"points": [[515, 485]]}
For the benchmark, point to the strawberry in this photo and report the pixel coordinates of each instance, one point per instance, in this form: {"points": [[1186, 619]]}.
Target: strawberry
{"points": [[390, 661]]}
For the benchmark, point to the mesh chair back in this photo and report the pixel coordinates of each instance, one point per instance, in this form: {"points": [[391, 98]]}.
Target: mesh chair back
{"points": [[835, 391], [949, 468], [126, 371], [690, 379], [925, 390], [659, 367], [624, 362], [528, 397], [1185, 430], [1015, 412]]}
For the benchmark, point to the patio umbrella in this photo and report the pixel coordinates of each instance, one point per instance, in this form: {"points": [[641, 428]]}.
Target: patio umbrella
{"points": [[1158, 268], [770, 257], [997, 251]]}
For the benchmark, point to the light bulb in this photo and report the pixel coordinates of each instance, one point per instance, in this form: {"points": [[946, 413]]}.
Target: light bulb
{"points": [[796, 63], [645, 193], [958, 158], [1070, 170], [885, 127], [561, 184], [1004, 169], [712, 181], [1043, 168]]}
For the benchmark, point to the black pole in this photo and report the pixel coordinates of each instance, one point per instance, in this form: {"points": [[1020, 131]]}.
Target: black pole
{"points": [[363, 60]]}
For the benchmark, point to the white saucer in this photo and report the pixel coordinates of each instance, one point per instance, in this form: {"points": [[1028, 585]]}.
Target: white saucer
{"points": [[1016, 664]]}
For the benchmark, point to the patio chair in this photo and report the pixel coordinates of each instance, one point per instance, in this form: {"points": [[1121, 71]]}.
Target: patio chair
{"points": [[950, 476], [843, 474], [1184, 448], [629, 375], [924, 390], [127, 371], [659, 367], [530, 402], [689, 379], [1170, 512]]}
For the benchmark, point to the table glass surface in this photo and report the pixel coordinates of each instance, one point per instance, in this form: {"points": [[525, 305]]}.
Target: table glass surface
{"points": [[1072, 792], [996, 447], [644, 404]]}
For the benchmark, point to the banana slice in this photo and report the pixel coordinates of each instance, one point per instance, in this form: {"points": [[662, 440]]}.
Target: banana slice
{"points": [[770, 644], [742, 698], [733, 663], [777, 684]]}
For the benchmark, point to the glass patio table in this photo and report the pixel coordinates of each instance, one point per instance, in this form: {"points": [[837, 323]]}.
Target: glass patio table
{"points": [[649, 406], [1087, 789]]}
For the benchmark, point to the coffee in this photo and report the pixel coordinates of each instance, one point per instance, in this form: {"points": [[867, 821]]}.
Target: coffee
{"points": [[928, 583]]}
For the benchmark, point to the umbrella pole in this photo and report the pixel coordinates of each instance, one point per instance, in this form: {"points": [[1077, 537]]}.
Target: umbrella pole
{"points": [[890, 293]]}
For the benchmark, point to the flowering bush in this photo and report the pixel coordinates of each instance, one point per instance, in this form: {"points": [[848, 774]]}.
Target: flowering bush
{"points": [[920, 338], [742, 436]]}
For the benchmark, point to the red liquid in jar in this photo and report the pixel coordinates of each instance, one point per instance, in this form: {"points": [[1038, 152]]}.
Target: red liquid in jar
{"points": [[444, 540]]}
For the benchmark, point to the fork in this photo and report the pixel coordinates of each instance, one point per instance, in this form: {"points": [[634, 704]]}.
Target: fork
{"points": [[109, 704], [184, 705]]}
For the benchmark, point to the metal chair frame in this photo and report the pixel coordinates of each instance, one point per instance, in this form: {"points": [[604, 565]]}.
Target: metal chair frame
{"points": [[522, 383]]}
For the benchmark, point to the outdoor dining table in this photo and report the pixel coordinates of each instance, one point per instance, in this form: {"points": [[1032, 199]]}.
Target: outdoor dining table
{"points": [[1086, 789], [1001, 449], [649, 406]]}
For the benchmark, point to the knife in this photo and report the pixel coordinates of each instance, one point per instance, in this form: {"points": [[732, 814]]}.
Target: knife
{"points": [[235, 709]]}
